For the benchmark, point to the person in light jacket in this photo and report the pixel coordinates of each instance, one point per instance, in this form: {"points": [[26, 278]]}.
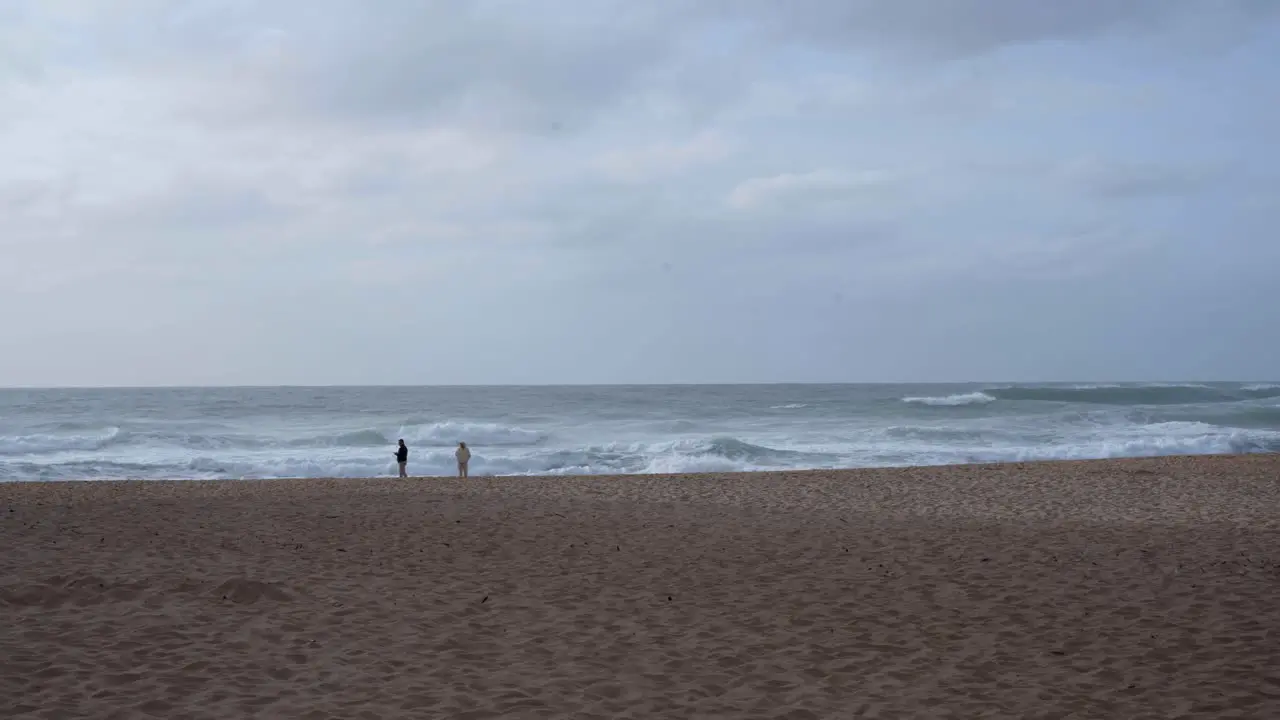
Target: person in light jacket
{"points": [[464, 457]]}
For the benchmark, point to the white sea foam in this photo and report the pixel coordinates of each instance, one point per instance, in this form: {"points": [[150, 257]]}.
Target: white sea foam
{"points": [[1153, 441], [475, 433], [56, 442], [973, 398]]}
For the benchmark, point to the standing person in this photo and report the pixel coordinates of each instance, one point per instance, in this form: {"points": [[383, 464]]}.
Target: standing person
{"points": [[464, 457], [402, 457]]}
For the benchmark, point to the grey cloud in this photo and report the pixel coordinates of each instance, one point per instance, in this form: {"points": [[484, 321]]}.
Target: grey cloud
{"points": [[494, 64], [823, 186], [1100, 179], [1121, 180], [205, 207], [964, 27], [513, 65]]}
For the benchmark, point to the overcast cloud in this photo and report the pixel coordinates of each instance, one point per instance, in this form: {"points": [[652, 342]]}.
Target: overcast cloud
{"points": [[582, 191]]}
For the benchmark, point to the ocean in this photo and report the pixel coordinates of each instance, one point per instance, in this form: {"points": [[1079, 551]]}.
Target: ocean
{"points": [[352, 431]]}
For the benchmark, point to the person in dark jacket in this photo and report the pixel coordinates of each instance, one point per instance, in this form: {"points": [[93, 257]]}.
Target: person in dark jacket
{"points": [[402, 458]]}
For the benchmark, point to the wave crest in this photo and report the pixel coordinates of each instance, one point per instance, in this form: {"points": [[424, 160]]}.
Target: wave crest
{"points": [[451, 432], [958, 400], [1152, 394], [355, 438], [51, 443]]}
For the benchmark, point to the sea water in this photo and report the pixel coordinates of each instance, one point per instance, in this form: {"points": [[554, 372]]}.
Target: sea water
{"points": [[352, 431]]}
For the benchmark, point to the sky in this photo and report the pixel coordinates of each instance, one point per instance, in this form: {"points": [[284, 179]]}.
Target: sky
{"points": [[227, 192]]}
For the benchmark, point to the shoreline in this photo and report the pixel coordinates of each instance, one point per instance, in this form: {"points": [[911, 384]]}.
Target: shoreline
{"points": [[1069, 462], [1140, 587]]}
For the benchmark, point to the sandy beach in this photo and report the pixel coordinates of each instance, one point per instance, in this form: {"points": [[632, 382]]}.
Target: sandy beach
{"points": [[1132, 589]]}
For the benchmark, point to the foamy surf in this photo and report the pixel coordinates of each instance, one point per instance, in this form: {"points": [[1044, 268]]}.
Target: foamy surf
{"points": [[973, 398]]}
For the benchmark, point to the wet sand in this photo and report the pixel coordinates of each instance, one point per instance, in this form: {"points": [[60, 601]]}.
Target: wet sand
{"points": [[1112, 589]]}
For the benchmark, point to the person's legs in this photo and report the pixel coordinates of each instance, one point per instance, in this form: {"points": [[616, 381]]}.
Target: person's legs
{"points": [[402, 472], [465, 472]]}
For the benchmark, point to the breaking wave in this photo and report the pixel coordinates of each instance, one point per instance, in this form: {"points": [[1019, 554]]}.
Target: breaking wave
{"points": [[449, 433], [430, 435], [1153, 394], [959, 400], [52, 442]]}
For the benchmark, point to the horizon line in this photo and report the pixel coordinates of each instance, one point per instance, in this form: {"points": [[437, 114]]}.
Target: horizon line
{"points": [[818, 383]]}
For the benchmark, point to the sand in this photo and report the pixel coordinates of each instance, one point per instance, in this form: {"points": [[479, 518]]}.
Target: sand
{"points": [[1115, 589]]}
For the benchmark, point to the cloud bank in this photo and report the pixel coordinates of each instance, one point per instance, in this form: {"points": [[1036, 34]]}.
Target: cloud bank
{"points": [[490, 192]]}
